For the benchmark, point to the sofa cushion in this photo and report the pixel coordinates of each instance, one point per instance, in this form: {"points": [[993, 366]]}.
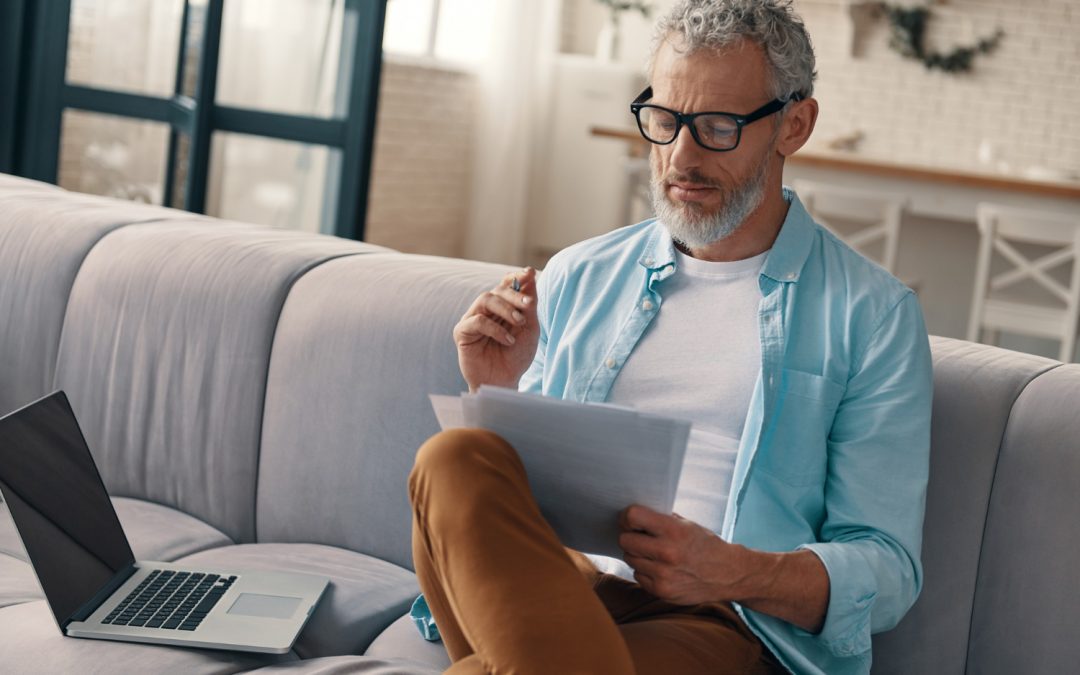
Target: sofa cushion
{"points": [[365, 596], [15, 184], [349, 665], [402, 639], [17, 582], [33, 644], [44, 236], [155, 532], [974, 390], [1027, 605], [164, 354], [360, 345]]}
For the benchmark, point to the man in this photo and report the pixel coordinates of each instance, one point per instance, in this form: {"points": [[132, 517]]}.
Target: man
{"points": [[804, 367]]}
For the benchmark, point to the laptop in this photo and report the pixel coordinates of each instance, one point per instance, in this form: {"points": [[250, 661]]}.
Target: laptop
{"points": [[90, 577]]}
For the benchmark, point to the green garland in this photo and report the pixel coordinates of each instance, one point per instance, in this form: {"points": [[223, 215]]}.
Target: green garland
{"points": [[909, 30], [619, 6]]}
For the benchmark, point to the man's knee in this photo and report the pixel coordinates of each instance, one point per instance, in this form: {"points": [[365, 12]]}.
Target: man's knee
{"points": [[457, 455]]}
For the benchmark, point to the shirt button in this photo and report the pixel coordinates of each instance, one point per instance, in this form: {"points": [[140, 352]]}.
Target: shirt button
{"points": [[647, 305], [610, 363]]}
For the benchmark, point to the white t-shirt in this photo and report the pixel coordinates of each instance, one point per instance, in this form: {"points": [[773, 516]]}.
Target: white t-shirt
{"points": [[699, 360]]}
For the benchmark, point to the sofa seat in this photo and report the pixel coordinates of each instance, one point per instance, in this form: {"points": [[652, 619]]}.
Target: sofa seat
{"points": [[33, 644], [155, 532], [403, 638], [350, 665], [17, 582], [366, 594]]}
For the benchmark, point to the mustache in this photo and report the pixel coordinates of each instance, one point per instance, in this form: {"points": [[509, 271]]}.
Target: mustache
{"points": [[691, 177]]}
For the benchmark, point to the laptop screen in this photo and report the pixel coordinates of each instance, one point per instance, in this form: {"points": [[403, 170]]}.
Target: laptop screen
{"points": [[59, 505]]}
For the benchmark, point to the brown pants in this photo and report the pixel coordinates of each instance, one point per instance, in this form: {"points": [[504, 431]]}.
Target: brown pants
{"points": [[509, 598]]}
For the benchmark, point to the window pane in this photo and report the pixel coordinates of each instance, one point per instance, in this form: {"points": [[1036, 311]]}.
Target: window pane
{"points": [[464, 32], [270, 182], [113, 156], [408, 25], [128, 45], [281, 55], [180, 170]]}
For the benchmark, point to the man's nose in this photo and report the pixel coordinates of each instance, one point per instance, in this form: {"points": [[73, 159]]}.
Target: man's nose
{"points": [[686, 154]]}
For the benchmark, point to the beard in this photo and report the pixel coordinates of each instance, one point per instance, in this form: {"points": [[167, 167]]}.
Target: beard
{"points": [[688, 223]]}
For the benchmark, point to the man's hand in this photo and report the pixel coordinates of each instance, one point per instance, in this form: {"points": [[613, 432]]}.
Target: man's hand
{"points": [[497, 337], [684, 563], [678, 560]]}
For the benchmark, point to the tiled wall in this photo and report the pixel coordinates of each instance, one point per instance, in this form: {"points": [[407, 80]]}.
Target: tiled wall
{"points": [[1021, 99], [423, 157]]}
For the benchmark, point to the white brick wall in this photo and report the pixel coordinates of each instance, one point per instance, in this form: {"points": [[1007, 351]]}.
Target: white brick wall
{"points": [[423, 156], [1023, 97]]}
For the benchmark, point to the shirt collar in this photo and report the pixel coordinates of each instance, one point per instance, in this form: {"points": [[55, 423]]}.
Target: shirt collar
{"points": [[792, 245], [785, 261], [659, 251]]}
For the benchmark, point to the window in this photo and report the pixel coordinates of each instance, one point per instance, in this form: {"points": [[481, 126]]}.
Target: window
{"points": [[447, 30], [161, 101]]}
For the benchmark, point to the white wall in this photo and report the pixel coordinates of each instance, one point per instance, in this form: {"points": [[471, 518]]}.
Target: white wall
{"points": [[1023, 97]]}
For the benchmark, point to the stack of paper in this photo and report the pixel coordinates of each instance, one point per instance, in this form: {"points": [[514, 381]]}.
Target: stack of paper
{"points": [[586, 462]]}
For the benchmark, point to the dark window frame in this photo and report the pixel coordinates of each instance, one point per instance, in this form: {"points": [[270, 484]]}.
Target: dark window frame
{"points": [[34, 94]]}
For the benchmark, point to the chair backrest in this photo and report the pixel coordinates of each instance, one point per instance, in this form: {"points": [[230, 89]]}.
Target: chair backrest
{"points": [[1000, 227], [860, 217]]}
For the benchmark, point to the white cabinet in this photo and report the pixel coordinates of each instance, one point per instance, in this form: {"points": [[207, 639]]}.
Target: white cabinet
{"points": [[582, 183]]}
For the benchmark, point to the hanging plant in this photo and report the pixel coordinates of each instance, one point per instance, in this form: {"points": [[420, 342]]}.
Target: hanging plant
{"points": [[617, 7], [908, 33]]}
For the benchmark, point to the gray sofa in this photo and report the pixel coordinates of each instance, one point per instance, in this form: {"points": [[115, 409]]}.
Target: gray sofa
{"points": [[254, 398]]}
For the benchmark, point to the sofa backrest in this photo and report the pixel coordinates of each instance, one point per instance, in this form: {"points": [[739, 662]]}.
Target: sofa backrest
{"points": [[1026, 617], [45, 233], [164, 354], [975, 388], [360, 345]]}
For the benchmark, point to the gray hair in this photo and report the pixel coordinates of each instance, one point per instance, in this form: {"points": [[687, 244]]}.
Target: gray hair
{"points": [[719, 24]]}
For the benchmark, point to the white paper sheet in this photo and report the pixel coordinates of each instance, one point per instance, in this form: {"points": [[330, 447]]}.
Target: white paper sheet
{"points": [[586, 462]]}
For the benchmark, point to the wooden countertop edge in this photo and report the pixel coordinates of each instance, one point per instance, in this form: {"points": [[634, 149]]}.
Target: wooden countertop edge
{"points": [[899, 171], [937, 175]]}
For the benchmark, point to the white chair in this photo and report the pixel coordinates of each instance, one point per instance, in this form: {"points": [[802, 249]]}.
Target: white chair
{"points": [[1042, 305], [861, 218]]}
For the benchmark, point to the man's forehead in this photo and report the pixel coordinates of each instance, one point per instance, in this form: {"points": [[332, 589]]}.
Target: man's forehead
{"points": [[736, 72]]}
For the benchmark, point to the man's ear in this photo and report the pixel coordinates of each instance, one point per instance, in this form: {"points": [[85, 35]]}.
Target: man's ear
{"points": [[797, 125]]}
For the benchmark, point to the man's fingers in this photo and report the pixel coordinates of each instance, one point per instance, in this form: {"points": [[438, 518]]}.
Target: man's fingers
{"points": [[479, 326], [644, 546], [525, 290], [497, 305], [494, 306], [643, 519]]}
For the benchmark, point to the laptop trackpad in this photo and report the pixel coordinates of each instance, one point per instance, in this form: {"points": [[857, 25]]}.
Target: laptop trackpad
{"points": [[266, 606]]}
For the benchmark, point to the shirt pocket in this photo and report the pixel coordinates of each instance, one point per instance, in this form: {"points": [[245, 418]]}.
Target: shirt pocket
{"points": [[795, 445]]}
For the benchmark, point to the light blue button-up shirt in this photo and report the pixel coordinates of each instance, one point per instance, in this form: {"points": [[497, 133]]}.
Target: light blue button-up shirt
{"points": [[835, 450]]}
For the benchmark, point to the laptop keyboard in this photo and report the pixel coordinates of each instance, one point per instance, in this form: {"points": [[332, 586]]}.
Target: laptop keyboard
{"points": [[170, 600]]}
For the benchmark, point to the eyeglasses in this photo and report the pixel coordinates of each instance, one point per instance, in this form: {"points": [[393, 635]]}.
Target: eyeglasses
{"points": [[717, 131]]}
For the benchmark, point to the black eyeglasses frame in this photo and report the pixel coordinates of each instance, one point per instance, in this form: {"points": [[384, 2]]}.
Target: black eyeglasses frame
{"points": [[687, 119]]}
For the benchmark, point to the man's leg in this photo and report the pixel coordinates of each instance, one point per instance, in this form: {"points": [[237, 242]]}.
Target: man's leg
{"points": [[666, 638], [503, 591]]}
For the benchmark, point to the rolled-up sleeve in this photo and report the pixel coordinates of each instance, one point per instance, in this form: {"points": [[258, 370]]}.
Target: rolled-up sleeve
{"points": [[875, 490]]}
